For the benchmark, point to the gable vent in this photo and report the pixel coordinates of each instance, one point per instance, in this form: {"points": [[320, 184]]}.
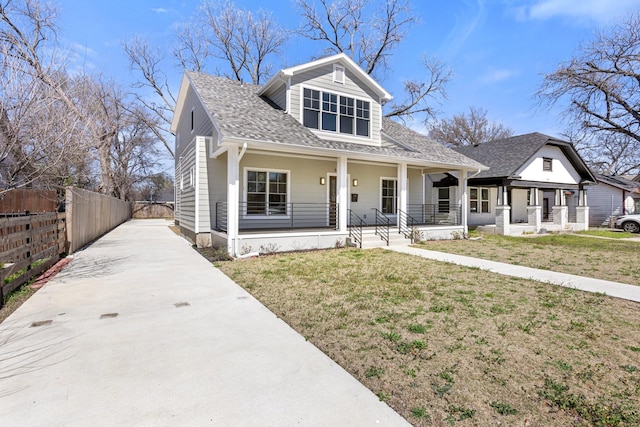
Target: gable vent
{"points": [[338, 74]]}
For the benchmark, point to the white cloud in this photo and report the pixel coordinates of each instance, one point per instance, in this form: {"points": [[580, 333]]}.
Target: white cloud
{"points": [[472, 14], [159, 10], [599, 11], [494, 76]]}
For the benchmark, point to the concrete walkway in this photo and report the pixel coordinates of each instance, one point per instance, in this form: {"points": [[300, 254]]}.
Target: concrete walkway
{"points": [[620, 290], [141, 330]]}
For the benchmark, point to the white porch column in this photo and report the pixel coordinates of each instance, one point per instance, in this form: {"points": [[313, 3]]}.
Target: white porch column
{"points": [[233, 199], [343, 194], [503, 212], [463, 200], [534, 210], [582, 211], [561, 210], [402, 190]]}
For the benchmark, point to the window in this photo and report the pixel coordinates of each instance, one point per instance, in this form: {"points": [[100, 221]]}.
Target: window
{"points": [[547, 164], [362, 118], [338, 74], [388, 199], [346, 115], [192, 120], [443, 199], [479, 200], [311, 108], [266, 193], [192, 176], [329, 111], [341, 114]]}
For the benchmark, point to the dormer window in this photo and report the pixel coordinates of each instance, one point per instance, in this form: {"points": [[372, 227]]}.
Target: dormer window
{"points": [[547, 164], [338, 74], [334, 119]]}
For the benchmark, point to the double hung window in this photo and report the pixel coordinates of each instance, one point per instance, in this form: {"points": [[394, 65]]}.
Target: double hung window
{"points": [[389, 189], [266, 193], [479, 200]]}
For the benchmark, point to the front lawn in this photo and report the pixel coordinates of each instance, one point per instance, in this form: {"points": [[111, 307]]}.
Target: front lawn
{"points": [[448, 345], [608, 259]]}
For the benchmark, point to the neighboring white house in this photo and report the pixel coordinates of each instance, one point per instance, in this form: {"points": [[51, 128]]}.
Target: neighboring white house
{"points": [[304, 161], [612, 197], [534, 182]]}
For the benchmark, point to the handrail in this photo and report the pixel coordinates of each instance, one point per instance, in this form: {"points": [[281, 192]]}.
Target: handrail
{"points": [[405, 225], [383, 223], [355, 227]]}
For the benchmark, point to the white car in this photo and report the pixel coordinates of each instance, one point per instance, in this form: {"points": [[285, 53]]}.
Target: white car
{"points": [[630, 223]]}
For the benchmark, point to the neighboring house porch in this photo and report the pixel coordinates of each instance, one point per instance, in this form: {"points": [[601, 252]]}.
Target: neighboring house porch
{"points": [[535, 183]]}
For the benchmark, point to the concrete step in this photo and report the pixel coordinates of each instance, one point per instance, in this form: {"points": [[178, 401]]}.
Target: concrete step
{"points": [[371, 240]]}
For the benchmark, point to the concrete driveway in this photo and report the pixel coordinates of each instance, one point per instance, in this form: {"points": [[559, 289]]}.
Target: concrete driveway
{"points": [[141, 330]]}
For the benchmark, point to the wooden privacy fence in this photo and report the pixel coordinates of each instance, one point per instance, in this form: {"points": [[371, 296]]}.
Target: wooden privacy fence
{"points": [[22, 200], [143, 210], [29, 245], [90, 215]]}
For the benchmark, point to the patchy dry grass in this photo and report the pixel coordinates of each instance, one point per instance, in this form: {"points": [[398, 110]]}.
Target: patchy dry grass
{"points": [[447, 345], [607, 259]]}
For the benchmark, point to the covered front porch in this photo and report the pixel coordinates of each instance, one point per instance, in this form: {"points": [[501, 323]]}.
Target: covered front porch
{"points": [[522, 209], [283, 202]]}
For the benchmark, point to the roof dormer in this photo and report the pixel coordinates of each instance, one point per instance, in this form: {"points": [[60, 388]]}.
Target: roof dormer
{"points": [[333, 97]]}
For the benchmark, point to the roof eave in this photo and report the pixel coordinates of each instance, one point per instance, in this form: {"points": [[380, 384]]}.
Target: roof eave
{"points": [[292, 148]]}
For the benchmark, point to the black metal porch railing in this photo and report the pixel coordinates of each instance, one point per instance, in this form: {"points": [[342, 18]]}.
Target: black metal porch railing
{"points": [[406, 224], [383, 223], [279, 216], [355, 227], [435, 214], [286, 216]]}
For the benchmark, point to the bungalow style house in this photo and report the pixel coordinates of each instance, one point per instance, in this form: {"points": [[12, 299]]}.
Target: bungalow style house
{"points": [[612, 197], [307, 161], [534, 183]]}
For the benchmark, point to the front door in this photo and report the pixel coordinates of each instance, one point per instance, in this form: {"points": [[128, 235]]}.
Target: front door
{"points": [[333, 200]]}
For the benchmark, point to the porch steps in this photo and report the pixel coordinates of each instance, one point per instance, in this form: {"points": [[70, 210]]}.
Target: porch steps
{"points": [[370, 240]]}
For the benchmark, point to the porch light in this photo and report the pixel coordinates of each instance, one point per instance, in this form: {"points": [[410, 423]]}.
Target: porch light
{"points": [[323, 180], [355, 182]]}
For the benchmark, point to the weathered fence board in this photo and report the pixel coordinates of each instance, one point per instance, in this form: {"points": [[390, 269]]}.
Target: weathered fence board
{"points": [[23, 200]]}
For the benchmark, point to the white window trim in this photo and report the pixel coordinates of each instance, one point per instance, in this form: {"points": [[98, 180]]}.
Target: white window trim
{"points": [[544, 159], [337, 132], [245, 172], [479, 200], [389, 178], [337, 71]]}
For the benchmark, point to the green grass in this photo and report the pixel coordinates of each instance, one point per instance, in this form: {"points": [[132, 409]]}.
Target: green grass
{"points": [[448, 345], [607, 233], [608, 259]]}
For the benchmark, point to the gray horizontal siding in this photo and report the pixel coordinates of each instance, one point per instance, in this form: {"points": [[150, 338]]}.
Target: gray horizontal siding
{"points": [[202, 123], [322, 78]]}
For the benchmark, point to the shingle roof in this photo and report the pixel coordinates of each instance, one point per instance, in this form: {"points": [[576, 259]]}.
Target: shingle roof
{"points": [[619, 182], [239, 112], [505, 156]]}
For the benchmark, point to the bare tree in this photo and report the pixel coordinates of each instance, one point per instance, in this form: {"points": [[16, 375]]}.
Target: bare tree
{"points": [[468, 129], [40, 124], [607, 153], [154, 92], [601, 89], [242, 39], [369, 31], [420, 96]]}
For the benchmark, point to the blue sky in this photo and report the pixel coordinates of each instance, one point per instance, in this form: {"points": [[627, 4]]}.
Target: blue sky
{"points": [[499, 49]]}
